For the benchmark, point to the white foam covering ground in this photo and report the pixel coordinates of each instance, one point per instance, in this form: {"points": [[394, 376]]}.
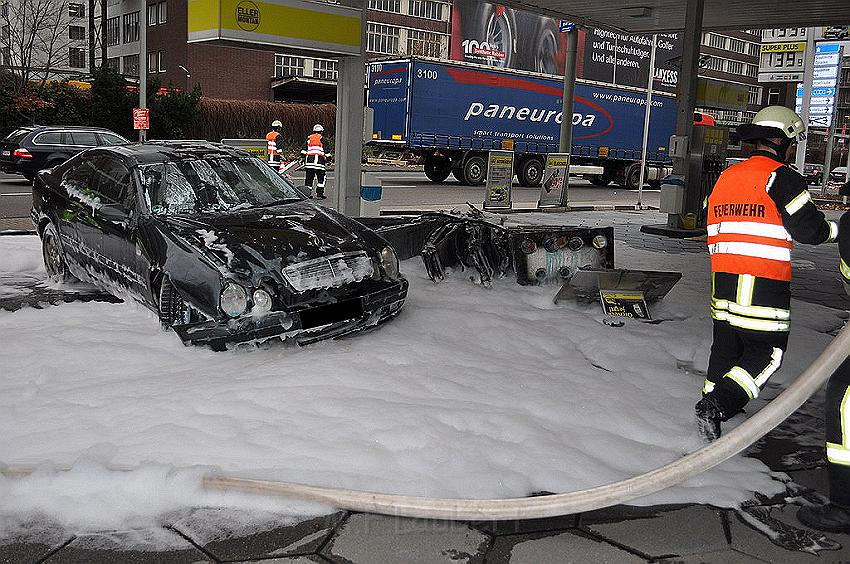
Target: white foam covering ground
{"points": [[469, 393]]}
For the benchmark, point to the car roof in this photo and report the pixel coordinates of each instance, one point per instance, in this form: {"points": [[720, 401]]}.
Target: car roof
{"points": [[67, 127], [162, 151]]}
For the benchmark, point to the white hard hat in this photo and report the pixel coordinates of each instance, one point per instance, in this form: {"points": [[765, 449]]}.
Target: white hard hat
{"points": [[276, 123], [318, 128], [774, 121]]}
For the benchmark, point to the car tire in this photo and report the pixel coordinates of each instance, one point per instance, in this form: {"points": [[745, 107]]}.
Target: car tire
{"points": [[437, 169], [496, 25], [29, 176], [53, 255], [545, 48], [530, 172], [474, 171], [171, 307], [633, 179]]}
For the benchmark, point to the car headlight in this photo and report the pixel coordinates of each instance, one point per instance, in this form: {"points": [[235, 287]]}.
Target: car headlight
{"points": [[234, 300], [389, 262], [262, 301]]}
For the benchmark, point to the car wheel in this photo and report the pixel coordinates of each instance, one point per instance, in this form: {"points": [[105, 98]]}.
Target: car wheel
{"points": [[474, 171], [494, 28], [53, 255], [546, 49], [29, 176], [530, 172], [437, 169], [172, 309]]}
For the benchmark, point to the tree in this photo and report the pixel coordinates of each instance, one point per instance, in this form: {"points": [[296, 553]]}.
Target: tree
{"points": [[114, 102], [172, 112], [35, 40]]}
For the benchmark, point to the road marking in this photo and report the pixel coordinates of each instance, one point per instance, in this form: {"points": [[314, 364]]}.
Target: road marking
{"points": [[17, 194]]}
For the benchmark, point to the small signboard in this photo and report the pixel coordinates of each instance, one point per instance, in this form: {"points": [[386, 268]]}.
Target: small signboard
{"points": [[500, 177], [141, 118], [618, 303], [553, 189], [565, 26]]}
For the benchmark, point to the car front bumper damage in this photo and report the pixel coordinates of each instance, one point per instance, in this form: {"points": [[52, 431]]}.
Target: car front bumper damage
{"points": [[305, 326]]}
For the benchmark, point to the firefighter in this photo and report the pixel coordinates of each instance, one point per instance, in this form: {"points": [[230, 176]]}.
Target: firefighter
{"points": [[834, 517], [274, 144], [754, 211], [314, 161]]}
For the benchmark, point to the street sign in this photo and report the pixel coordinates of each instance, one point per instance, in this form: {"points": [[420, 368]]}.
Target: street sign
{"points": [[828, 48], [564, 26], [787, 47], [500, 175], [824, 83], [141, 118]]}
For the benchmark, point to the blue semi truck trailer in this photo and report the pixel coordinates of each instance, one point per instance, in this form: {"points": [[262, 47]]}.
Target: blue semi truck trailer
{"points": [[450, 114]]}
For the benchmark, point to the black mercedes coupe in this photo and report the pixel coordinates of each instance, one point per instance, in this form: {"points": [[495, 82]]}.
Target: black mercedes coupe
{"points": [[211, 239]]}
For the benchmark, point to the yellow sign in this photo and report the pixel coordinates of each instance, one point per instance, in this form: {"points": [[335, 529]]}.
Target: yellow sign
{"points": [[283, 23], [722, 95], [791, 47], [502, 161]]}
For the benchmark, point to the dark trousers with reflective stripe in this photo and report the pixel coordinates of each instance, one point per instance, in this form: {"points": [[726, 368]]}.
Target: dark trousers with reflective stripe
{"points": [[839, 474], [744, 348]]}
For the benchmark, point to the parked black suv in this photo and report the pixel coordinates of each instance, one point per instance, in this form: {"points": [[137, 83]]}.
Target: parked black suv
{"points": [[30, 149], [813, 173]]}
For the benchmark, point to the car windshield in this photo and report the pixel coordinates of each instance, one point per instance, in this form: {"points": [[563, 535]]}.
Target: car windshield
{"points": [[213, 184]]}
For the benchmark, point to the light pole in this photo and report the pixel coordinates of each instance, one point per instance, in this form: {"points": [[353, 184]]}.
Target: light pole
{"points": [[143, 63]]}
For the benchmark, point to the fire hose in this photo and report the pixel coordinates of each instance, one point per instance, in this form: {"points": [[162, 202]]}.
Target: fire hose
{"points": [[598, 497]]}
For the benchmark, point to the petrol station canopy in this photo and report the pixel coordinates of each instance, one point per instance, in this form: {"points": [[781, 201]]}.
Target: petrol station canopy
{"points": [[653, 16]]}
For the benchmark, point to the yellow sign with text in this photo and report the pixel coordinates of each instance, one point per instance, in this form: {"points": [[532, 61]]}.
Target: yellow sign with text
{"points": [[791, 47], [282, 23]]}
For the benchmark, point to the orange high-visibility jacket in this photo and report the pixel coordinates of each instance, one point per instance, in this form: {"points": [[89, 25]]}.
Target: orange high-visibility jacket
{"points": [[746, 234]]}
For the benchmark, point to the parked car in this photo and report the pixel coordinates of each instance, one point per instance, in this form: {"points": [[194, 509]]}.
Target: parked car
{"points": [[219, 246], [813, 173], [28, 150], [838, 174]]}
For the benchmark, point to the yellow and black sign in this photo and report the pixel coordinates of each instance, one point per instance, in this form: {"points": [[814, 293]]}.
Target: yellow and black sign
{"points": [[283, 23], [618, 303], [788, 47]]}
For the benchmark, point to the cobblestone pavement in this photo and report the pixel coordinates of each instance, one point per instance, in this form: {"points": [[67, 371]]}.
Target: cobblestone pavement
{"points": [[765, 530]]}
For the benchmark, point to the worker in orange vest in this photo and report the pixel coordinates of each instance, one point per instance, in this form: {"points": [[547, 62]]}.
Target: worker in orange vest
{"points": [[314, 161], [754, 211], [274, 144]]}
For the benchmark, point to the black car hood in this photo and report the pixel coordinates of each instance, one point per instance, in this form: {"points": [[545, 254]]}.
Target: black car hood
{"points": [[256, 242]]}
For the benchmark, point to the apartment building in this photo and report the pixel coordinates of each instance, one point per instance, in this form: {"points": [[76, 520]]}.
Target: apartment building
{"points": [[732, 57], [46, 37]]}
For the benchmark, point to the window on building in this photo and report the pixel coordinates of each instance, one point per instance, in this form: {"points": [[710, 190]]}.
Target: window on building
{"points": [[773, 97], [393, 6], [77, 10], [382, 39], [754, 96], [737, 45], [285, 65], [152, 62], [735, 67], [714, 63], [717, 41], [325, 69], [76, 32], [424, 44], [76, 58], [131, 27], [425, 9], [131, 65], [163, 12], [151, 14], [113, 31], [160, 59], [754, 50], [751, 70], [114, 63]]}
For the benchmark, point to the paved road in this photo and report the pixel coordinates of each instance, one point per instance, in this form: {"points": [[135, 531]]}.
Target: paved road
{"points": [[402, 190], [15, 196]]}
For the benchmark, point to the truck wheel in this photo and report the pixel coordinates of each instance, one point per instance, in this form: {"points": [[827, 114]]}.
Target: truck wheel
{"points": [[530, 172], [437, 169], [474, 171], [633, 180]]}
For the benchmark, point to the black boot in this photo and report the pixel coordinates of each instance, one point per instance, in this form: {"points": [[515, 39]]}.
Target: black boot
{"points": [[832, 518], [321, 196], [709, 417]]}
